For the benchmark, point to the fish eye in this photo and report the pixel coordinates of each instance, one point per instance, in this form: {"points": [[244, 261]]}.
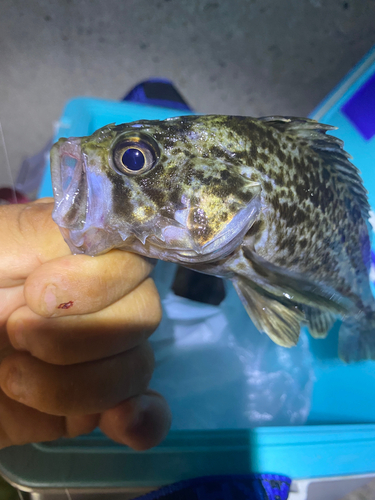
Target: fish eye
{"points": [[134, 159], [135, 154]]}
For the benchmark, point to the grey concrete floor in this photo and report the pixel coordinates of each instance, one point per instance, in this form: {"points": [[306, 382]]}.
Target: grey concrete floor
{"points": [[251, 57]]}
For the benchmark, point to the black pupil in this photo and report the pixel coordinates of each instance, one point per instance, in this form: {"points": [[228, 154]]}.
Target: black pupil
{"points": [[133, 159]]}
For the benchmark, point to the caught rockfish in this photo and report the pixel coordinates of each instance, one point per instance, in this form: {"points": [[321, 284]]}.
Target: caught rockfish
{"points": [[273, 204]]}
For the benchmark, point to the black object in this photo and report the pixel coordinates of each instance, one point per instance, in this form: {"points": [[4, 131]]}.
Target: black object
{"points": [[199, 287], [157, 92], [228, 487]]}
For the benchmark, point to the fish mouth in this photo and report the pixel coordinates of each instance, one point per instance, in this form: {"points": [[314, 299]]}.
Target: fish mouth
{"points": [[80, 200], [91, 242], [69, 184]]}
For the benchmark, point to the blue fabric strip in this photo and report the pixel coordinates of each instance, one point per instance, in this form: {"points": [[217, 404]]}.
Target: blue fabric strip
{"points": [[231, 487], [360, 109]]}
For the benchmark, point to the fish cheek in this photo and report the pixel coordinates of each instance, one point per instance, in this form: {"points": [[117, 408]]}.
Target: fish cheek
{"points": [[156, 195], [199, 226], [121, 196]]}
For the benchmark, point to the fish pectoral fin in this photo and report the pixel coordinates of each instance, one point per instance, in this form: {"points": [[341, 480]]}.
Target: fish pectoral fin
{"points": [[282, 282], [319, 322], [279, 321]]}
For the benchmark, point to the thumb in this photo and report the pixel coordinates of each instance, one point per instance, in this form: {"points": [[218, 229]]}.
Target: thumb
{"points": [[28, 238]]}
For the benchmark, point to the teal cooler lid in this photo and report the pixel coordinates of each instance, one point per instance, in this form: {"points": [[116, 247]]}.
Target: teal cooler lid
{"points": [[339, 437]]}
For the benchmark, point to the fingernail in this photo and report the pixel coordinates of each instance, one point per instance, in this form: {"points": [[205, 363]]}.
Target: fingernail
{"points": [[144, 404], [19, 336], [49, 300], [14, 383]]}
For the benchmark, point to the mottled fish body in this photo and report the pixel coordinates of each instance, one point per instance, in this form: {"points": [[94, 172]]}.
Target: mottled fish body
{"points": [[272, 204]]}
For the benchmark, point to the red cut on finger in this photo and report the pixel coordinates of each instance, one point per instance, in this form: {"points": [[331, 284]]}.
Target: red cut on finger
{"points": [[80, 284], [76, 339]]}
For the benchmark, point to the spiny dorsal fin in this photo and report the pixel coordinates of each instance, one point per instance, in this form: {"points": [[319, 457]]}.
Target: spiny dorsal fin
{"points": [[330, 148]]}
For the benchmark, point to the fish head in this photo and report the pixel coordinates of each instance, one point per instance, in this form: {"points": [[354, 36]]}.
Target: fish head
{"points": [[169, 190]]}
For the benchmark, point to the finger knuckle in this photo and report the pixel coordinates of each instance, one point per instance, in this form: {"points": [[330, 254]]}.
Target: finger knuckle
{"points": [[37, 341]]}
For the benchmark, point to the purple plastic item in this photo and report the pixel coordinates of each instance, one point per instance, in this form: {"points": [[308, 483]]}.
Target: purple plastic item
{"points": [[360, 109], [229, 487]]}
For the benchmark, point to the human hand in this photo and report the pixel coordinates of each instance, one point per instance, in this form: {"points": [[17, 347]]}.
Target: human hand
{"points": [[73, 338]]}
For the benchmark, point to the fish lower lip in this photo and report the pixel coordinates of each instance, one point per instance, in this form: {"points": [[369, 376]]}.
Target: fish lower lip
{"points": [[74, 239], [92, 241]]}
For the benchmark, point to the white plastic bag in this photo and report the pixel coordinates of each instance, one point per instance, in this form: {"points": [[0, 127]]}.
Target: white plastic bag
{"points": [[218, 372]]}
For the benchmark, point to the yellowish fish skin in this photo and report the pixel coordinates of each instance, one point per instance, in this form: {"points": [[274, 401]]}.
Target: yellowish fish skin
{"points": [[272, 204]]}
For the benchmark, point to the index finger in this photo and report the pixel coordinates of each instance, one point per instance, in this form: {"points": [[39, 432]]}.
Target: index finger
{"points": [[80, 284], [29, 237]]}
